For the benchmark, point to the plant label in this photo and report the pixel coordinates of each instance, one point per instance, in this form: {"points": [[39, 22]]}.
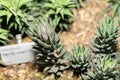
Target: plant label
{"points": [[19, 53]]}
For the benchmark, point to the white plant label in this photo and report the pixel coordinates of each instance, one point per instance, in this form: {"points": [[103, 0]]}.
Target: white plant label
{"points": [[19, 53]]}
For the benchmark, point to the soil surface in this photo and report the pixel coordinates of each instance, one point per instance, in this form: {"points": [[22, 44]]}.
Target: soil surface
{"points": [[81, 31]]}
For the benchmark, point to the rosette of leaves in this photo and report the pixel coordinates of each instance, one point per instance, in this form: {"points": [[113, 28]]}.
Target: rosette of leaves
{"points": [[60, 12], [49, 51], [105, 68], [80, 59], [105, 41], [4, 37], [13, 14], [114, 7]]}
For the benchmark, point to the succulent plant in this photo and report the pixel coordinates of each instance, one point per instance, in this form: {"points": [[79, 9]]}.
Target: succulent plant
{"points": [[60, 12], [105, 41], [49, 51], [13, 15], [105, 68], [80, 59]]}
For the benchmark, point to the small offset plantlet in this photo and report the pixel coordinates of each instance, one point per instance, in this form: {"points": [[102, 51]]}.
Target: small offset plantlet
{"points": [[105, 68], [80, 59], [49, 51], [114, 7], [13, 14], [105, 41], [60, 12], [4, 37]]}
